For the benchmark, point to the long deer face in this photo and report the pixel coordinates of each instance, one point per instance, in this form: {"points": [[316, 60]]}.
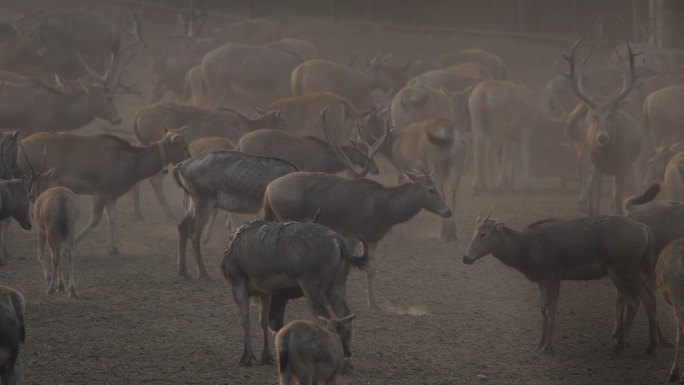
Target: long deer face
{"points": [[486, 238], [601, 124], [343, 328], [432, 198], [102, 103], [175, 146], [602, 114]]}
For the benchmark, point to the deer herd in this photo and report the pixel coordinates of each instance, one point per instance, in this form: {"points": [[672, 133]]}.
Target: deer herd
{"points": [[262, 125]]}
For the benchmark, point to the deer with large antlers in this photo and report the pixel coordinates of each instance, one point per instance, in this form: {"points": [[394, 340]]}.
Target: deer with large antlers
{"points": [[613, 138]]}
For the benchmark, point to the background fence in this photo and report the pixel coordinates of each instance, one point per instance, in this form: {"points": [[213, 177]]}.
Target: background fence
{"points": [[561, 20]]}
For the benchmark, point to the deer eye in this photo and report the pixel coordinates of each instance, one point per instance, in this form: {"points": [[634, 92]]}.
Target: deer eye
{"points": [[481, 235]]}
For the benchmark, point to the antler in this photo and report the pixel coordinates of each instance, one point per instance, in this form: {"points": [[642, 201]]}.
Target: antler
{"points": [[629, 77], [34, 174], [575, 76], [368, 154], [109, 64]]}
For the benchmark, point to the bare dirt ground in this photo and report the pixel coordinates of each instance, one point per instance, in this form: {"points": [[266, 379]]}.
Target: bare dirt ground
{"points": [[447, 323]]}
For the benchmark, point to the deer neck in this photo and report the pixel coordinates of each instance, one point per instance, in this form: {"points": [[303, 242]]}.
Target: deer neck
{"points": [[149, 160], [75, 110], [509, 251], [403, 203]]}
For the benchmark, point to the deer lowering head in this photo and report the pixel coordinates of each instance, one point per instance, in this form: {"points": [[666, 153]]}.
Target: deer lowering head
{"points": [[602, 113]]}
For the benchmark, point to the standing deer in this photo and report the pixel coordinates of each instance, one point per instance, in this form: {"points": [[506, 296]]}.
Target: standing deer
{"points": [[435, 147], [119, 166], [226, 180], [356, 207], [613, 138], [55, 213], [319, 75], [288, 260], [589, 248], [199, 123], [34, 107]]}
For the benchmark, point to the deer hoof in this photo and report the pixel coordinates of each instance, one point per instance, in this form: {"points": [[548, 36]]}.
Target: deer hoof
{"points": [[267, 359], [206, 278], [246, 359], [674, 376]]}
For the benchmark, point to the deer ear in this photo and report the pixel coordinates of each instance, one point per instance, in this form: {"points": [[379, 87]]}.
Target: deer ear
{"points": [[322, 320], [498, 226], [49, 173]]}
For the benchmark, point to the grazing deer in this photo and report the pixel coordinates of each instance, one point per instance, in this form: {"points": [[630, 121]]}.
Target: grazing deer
{"points": [[312, 351], [589, 248]]}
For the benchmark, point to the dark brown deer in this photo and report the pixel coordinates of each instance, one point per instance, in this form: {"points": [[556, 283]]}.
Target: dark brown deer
{"points": [[227, 180], [356, 207], [550, 251], [12, 335], [269, 260], [613, 138]]}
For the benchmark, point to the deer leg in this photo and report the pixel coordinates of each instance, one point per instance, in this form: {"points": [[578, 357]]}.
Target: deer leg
{"points": [[543, 306], [595, 191], [183, 232], [95, 216], [315, 298], [674, 372], [337, 297], [450, 191], [54, 280], [212, 219], [69, 253], [370, 276], [266, 354], [135, 192], [525, 155], [618, 188], [503, 183], [582, 180], [241, 297], [42, 240], [622, 282], [646, 295], [552, 291], [110, 208], [4, 229], [156, 182], [202, 214], [478, 185]]}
